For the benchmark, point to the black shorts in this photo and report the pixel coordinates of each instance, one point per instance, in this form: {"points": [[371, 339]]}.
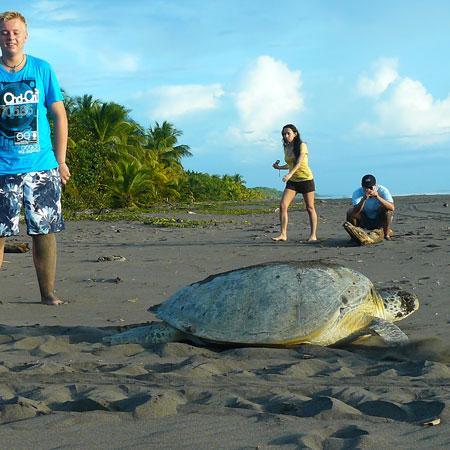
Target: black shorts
{"points": [[301, 187], [379, 221]]}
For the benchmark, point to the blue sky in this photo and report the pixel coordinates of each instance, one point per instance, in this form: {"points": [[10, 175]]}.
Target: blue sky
{"points": [[367, 83]]}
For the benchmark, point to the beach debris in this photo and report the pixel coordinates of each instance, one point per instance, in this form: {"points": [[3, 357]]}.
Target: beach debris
{"points": [[323, 304], [365, 238], [104, 280], [432, 423], [111, 258], [17, 247], [191, 212]]}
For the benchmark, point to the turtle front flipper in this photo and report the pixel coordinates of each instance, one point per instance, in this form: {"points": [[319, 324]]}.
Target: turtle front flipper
{"points": [[155, 333], [390, 333]]}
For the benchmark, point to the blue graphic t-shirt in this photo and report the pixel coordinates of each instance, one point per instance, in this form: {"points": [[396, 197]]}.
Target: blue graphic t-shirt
{"points": [[372, 205], [25, 139]]}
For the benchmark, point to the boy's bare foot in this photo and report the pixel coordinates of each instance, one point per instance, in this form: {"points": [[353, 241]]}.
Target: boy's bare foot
{"points": [[281, 238], [51, 300]]}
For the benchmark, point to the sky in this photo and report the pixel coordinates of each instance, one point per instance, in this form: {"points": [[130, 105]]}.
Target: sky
{"points": [[366, 83]]}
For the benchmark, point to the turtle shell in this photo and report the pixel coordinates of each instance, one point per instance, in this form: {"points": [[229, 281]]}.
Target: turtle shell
{"points": [[282, 303]]}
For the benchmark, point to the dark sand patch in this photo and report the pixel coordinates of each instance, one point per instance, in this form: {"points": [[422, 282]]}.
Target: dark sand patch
{"points": [[57, 377]]}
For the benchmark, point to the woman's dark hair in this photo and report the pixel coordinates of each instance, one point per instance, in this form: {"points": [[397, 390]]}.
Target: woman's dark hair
{"points": [[297, 140]]}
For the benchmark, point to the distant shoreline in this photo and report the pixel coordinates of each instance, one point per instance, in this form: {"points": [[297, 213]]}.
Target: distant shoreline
{"points": [[329, 197]]}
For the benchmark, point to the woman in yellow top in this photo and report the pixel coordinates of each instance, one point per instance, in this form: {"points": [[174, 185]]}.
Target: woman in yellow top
{"points": [[299, 179]]}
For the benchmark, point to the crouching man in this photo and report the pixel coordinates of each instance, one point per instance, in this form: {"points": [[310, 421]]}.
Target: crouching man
{"points": [[372, 210]]}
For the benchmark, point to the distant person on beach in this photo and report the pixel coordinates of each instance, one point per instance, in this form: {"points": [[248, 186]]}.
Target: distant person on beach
{"points": [[299, 179], [373, 207], [31, 168]]}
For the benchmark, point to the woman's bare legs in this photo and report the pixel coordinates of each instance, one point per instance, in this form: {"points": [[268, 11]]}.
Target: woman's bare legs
{"points": [[311, 210], [286, 200]]}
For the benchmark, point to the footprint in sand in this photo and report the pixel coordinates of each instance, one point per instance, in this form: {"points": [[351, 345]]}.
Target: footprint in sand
{"points": [[416, 411], [19, 408]]}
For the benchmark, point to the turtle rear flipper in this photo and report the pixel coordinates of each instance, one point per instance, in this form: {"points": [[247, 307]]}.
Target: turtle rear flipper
{"points": [[155, 333]]}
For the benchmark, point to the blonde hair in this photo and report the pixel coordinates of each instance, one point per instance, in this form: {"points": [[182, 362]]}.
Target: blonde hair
{"points": [[10, 15]]}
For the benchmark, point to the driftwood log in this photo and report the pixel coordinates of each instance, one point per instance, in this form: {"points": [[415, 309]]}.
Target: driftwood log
{"points": [[17, 247]]}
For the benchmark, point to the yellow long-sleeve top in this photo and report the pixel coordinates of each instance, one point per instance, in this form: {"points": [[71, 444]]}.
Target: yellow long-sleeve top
{"points": [[304, 172]]}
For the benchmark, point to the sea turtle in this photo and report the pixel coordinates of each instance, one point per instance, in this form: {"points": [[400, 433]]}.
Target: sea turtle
{"points": [[278, 304]]}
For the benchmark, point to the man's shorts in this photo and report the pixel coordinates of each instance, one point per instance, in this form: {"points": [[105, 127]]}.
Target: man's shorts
{"points": [[301, 187], [379, 221], [40, 195]]}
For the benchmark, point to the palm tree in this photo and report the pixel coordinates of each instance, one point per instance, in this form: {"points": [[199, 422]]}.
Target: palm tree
{"points": [[69, 102], [130, 183], [239, 179], [162, 140], [85, 103], [142, 167], [111, 124]]}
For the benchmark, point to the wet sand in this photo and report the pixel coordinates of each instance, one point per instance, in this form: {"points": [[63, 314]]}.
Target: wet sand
{"points": [[61, 387]]}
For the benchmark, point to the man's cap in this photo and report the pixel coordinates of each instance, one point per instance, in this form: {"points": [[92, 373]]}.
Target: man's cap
{"points": [[368, 181]]}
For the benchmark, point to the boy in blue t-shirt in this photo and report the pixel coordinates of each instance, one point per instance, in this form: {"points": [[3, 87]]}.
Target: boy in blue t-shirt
{"points": [[373, 207], [32, 169]]}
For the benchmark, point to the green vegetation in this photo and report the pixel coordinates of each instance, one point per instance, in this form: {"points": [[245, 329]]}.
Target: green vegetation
{"points": [[117, 163], [180, 223], [269, 193], [141, 217], [174, 215]]}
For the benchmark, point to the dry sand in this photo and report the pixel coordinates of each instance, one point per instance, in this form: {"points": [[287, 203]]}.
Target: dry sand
{"points": [[60, 387]]}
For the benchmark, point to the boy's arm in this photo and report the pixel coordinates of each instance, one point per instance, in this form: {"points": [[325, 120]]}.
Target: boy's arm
{"points": [[58, 113]]}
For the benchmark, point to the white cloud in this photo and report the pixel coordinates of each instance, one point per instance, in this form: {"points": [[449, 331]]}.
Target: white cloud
{"points": [[405, 110], [385, 73], [269, 96], [112, 61], [237, 135], [180, 100], [55, 10]]}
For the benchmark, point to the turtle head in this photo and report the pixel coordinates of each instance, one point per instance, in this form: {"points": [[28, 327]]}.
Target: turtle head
{"points": [[398, 303]]}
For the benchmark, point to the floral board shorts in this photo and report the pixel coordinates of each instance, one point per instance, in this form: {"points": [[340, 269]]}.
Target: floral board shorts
{"points": [[40, 195]]}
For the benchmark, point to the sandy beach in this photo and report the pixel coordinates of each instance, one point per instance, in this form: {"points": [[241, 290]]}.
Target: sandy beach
{"points": [[61, 387]]}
